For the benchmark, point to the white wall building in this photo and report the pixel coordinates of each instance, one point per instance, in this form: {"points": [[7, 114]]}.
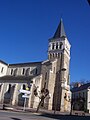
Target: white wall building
{"points": [[81, 97]]}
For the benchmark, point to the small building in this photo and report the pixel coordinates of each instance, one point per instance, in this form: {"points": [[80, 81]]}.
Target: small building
{"points": [[81, 97]]}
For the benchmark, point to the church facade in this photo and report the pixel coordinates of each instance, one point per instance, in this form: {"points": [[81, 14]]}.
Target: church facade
{"points": [[52, 73]]}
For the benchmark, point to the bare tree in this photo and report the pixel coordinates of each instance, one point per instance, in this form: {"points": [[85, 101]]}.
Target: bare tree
{"points": [[43, 94], [81, 82]]}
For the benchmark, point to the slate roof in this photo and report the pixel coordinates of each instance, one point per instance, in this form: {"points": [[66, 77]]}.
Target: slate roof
{"points": [[21, 64], [82, 87], [60, 32], [25, 64]]}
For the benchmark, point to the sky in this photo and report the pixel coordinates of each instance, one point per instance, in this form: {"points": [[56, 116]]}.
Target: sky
{"points": [[26, 26]]}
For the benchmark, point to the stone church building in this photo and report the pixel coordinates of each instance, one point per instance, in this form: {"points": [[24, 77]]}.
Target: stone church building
{"points": [[54, 73]]}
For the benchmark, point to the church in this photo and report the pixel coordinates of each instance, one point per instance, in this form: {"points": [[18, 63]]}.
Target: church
{"points": [[52, 73]]}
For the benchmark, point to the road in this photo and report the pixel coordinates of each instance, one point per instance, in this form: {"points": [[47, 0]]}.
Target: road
{"points": [[9, 115]]}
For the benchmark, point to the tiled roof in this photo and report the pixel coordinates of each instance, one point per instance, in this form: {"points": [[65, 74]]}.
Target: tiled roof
{"points": [[82, 87]]}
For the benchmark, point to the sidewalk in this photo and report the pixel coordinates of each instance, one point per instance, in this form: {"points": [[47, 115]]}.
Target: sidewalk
{"points": [[33, 110]]}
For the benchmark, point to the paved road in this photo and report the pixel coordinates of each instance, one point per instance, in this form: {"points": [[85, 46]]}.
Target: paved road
{"points": [[9, 115]]}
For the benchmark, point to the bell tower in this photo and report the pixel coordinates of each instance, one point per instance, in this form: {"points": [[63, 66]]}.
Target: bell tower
{"points": [[59, 49], [58, 42]]}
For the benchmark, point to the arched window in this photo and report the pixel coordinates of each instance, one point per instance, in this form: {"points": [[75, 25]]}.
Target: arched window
{"points": [[23, 72], [2, 69], [53, 45], [11, 71], [56, 45], [61, 45], [53, 55]]}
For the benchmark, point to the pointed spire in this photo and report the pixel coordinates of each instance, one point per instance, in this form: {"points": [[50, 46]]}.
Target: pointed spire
{"points": [[60, 32]]}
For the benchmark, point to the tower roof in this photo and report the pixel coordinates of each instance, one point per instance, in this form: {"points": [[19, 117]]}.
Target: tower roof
{"points": [[60, 32]]}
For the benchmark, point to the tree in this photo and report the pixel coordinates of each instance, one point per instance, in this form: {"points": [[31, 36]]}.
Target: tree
{"points": [[43, 94], [88, 1], [79, 82]]}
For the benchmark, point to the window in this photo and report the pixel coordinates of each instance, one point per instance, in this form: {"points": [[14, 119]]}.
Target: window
{"points": [[56, 45], [23, 72], [52, 45], [61, 45], [50, 56], [53, 55], [9, 88], [2, 69], [11, 71]]}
